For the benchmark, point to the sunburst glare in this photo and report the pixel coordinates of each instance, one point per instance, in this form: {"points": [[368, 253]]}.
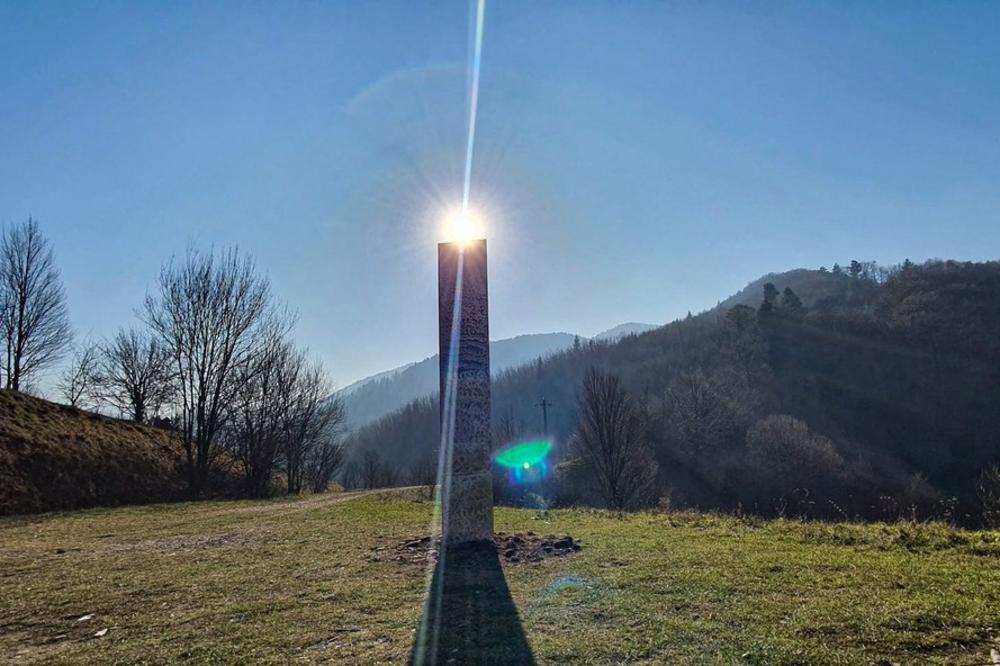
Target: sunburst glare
{"points": [[463, 226]]}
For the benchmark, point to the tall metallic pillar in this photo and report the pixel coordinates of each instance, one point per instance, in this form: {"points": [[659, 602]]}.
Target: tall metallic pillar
{"points": [[463, 305]]}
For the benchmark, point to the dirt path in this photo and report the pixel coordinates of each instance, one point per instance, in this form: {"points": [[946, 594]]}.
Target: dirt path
{"points": [[281, 508], [313, 502]]}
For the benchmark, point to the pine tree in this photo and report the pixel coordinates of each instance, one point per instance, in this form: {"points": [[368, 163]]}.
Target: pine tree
{"points": [[790, 302], [767, 306]]}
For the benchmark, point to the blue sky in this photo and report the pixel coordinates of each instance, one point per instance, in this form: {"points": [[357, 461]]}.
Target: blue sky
{"points": [[634, 160]]}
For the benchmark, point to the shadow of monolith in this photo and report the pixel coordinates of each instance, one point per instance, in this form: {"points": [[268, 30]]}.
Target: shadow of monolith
{"points": [[469, 616]]}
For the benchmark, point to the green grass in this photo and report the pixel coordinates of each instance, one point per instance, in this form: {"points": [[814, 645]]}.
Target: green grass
{"points": [[301, 581]]}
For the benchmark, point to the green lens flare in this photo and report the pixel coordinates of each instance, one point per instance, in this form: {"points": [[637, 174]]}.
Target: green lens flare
{"points": [[523, 456]]}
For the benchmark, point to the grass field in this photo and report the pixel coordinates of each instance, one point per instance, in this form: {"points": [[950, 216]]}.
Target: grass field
{"points": [[317, 580]]}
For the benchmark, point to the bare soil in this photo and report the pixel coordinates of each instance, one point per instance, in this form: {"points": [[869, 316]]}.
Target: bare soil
{"points": [[513, 548]]}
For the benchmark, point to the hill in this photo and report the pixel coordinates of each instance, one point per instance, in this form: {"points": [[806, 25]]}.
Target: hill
{"points": [[325, 579], [354, 386], [868, 399], [620, 331], [58, 457], [376, 396], [816, 289]]}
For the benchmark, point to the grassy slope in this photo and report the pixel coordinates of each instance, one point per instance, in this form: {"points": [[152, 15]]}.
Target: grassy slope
{"points": [[57, 457], [300, 580]]}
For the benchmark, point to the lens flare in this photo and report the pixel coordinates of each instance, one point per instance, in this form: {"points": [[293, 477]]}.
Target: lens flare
{"points": [[477, 58], [524, 455], [526, 462]]}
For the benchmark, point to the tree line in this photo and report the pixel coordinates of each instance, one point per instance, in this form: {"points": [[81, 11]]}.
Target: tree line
{"points": [[855, 393], [211, 357]]}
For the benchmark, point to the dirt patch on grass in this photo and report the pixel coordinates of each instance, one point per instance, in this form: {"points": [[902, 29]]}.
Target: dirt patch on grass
{"points": [[530, 547], [513, 548]]}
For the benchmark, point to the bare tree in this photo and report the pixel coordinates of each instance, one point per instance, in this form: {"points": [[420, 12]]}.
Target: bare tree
{"points": [[209, 314], [77, 382], [135, 374], [33, 315], [328, 453], [702, 414], [259, 412], [282, 416], [389, 475], [312, 430], [506, 431], [350, 477], [610, 440], [371, 470], [423, 472]]}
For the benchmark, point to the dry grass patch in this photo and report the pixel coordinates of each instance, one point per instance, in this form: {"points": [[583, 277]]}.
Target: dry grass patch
{"points": [[58, 457]]}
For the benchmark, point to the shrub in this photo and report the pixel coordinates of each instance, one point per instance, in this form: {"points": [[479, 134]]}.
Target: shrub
{"points": [[988, 491], [791, 463]]}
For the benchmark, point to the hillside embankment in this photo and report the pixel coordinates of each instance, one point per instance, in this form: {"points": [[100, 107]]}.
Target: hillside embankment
{"points": [[56, 457]]}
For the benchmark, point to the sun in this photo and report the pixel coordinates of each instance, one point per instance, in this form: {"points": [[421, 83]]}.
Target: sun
{"points": [[463, 226]]}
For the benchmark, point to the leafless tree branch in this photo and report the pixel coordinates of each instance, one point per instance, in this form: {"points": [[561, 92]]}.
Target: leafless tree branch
{"points": [[34, 320]]}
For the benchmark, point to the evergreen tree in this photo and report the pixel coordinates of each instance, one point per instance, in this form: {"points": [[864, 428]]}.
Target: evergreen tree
{"points": [[790, 302], [770, 293], [767, 306]]}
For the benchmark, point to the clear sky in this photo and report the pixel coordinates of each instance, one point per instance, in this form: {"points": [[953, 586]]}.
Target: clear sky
{"points": [[634, 160]]}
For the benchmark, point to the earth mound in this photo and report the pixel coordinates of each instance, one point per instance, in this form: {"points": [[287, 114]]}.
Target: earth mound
{"points": [[513, 548]]}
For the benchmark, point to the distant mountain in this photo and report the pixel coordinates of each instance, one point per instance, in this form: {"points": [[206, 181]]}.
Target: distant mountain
{"points": [[620, 331], [387, 374], [373, 397]]}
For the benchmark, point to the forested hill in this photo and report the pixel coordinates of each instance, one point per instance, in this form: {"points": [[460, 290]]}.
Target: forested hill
{"points": [[854, 393], [815, 289]]}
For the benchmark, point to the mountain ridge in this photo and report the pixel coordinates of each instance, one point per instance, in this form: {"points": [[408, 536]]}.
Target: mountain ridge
{"points": [[621, 330], [372, 397]]}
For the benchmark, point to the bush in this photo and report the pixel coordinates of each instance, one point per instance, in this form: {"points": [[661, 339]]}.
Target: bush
{"points": [[792, 464], [988, 491]]}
